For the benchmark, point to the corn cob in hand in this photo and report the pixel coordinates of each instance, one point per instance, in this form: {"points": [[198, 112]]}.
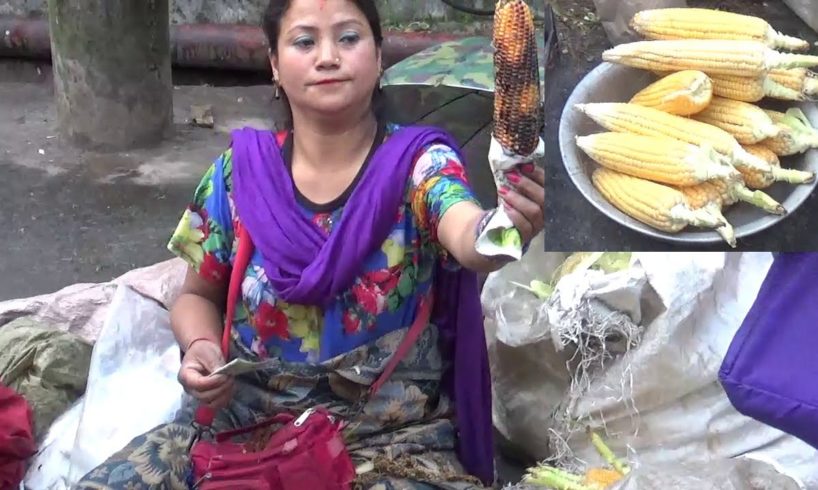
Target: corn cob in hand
{"points": [[517, 100], [729, 58], [656, 205], [796, 136], [682, 93], [631, 118], [657, 158], [748, 123], [699, 23]]}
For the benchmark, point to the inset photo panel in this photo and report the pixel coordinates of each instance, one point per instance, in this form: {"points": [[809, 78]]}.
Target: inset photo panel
{"points": [[688, 129]]}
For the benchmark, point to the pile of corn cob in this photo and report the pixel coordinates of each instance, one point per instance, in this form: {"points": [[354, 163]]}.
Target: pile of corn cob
{"points": [[694, 142], [593, 479]]}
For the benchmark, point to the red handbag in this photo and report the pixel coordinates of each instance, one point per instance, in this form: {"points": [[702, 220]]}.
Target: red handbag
{"points": [[306, 451]]}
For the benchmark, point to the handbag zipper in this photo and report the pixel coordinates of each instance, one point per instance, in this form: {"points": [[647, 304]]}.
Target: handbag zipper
{"points": [[303, 417]]}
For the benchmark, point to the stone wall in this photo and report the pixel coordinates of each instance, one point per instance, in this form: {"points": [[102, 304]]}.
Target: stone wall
{"points": [[249, 11]]}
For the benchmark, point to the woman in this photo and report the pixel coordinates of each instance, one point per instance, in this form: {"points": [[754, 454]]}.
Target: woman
{"points": [[357, 224]]}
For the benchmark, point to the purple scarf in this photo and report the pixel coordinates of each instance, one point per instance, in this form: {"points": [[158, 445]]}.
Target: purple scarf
{"points": [[305, 266]]}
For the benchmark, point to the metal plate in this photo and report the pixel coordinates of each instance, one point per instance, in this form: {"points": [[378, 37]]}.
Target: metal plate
{"points": [[610, 82]]}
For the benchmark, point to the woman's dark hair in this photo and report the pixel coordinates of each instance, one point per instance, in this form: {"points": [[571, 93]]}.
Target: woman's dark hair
{"points": [[271, 23]]}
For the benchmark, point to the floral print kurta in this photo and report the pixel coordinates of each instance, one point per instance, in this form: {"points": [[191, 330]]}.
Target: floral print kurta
{"points": [[383, 298]]}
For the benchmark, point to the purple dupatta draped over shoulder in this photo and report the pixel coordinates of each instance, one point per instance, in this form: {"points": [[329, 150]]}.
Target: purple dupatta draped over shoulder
{"points": [[305, 266]]}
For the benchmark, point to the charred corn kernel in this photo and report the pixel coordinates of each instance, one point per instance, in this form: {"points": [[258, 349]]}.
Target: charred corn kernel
{"points": [[752, 89], [631, 118], [754, 179], [797, 134], [747, 123], [601, 477], [658, 158], [656, 205], [699, 23], [714, 57], [727, 192], [799, 80], [682, 93], [517, 101]]}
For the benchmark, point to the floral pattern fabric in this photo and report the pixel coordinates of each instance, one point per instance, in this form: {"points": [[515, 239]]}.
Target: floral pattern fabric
{"points": [[406, 430], [382, 299]]}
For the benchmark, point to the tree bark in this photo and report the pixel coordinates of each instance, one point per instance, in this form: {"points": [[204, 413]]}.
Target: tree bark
{"points": [[112, 72]]}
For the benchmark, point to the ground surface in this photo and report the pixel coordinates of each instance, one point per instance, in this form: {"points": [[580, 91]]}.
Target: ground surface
{"points": [[572, 223]]}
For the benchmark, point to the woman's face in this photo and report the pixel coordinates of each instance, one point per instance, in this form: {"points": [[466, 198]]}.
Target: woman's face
{"points": [[326, 60]]}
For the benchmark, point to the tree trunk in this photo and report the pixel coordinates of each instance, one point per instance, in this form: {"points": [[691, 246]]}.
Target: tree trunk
{"points": [[112, 71]]}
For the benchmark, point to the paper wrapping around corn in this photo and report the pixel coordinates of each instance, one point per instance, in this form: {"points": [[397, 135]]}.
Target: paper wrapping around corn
{"points": [[500, 237]]}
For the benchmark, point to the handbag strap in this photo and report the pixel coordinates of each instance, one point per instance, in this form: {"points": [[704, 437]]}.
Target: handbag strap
{"points": [[243, 254]]}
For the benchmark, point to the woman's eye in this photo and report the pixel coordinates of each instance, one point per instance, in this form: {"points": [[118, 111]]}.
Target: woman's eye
{"points": [[350, 38], [303, 42]]}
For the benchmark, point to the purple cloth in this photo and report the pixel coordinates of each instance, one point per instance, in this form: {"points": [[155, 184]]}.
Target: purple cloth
{"points": [[305, 266], [770, 372]]}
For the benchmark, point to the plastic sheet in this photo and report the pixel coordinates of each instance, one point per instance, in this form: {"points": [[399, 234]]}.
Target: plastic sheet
{"points": [[132, 388], [616, 15], [657, 394], [728, 474]]}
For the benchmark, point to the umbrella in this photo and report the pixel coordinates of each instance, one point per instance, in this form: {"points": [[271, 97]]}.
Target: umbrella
{"points": [[452, 85]]}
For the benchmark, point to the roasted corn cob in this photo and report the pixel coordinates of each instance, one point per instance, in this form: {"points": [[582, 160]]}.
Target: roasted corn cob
{"points": [[800, 80], [658, 158], [748, 123], [698, 23], [752, 89], [517, 100], [731, 58], [754, 179], [656, 205], [796, 136], [682, 93], [631, 118]]}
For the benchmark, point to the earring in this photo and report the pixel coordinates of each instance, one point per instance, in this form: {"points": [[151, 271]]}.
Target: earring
{"points": [[277, 93]]}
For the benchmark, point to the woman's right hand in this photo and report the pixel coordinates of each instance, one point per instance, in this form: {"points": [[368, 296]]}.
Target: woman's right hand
{"points": [[202, 358]]}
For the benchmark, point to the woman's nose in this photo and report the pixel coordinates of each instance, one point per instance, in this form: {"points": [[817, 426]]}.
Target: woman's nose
{"points": [[328, 55]]}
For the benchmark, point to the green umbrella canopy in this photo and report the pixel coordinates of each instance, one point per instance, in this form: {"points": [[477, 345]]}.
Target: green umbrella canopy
{"points": [[466, 63]]}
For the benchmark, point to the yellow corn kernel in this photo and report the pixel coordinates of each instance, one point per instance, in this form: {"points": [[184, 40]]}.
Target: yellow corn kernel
{"points": [[658, 158], [601, 477], [796, 133], [518, 109], [708, 196], [752, 89], [747, 123], [726, 192], [655, 205], [699, 23], [631, 118], [682, 93], [754, 179], [800, 80], [714, 57]]}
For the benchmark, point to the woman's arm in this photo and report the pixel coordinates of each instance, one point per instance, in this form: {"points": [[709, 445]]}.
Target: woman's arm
{"points": [[458, 228], [197, 312]]}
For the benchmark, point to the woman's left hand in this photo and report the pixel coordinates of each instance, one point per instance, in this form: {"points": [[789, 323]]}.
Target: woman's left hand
{"points": [[524, 200]]}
